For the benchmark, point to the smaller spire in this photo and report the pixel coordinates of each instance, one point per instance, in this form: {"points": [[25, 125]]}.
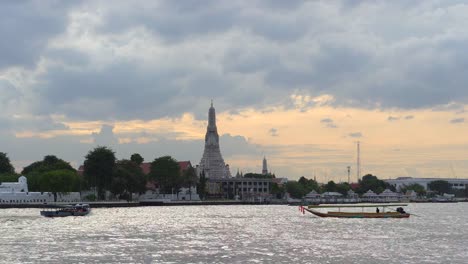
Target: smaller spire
{"points": [[211, 102]]}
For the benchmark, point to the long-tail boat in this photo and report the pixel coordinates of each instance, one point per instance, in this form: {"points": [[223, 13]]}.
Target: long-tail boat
{"points": [[386, 212]]}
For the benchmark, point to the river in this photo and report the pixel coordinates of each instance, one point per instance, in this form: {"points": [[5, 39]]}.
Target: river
{"points": [[234, 234]]}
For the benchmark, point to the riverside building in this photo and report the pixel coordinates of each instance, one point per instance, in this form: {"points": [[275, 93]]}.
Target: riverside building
{"points": [[18, 193]]}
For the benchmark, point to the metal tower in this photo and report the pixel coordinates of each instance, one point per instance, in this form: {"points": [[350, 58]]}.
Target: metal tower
{"points": [[358, 168], [349, 172]]}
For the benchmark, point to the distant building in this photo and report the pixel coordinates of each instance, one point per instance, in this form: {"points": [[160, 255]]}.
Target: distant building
{"points": [[249, 189], [264, 167], [401, 182], [17, 193], [212, 163]]}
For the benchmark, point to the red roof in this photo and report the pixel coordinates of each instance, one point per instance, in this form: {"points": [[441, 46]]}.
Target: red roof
{"points": [[146, 166]]}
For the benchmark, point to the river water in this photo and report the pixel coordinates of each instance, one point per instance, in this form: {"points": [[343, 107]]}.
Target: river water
{"points": [[234, 234]]}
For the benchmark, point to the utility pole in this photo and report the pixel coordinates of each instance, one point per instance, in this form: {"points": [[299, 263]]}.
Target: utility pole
{"points": [[349, 172], [358, 170]]}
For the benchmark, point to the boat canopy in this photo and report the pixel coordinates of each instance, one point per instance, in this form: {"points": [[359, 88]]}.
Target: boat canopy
{"points": [[356, 205]]}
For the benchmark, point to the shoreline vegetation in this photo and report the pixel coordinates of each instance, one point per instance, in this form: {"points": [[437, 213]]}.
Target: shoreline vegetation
{"points": [[125, 204]]}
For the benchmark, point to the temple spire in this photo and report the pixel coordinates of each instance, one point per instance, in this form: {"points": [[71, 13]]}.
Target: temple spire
{"points": [[212, 162]]}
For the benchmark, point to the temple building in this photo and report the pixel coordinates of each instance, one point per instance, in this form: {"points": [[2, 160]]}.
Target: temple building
{"points": [[264, 167], [212, 163]]}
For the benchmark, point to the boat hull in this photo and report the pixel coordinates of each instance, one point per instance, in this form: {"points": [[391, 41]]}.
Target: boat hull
{"points": [[358, 214], [62, 214]]}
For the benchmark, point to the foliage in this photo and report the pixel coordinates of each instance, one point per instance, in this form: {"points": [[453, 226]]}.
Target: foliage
{"points": [[371, 182], [343, 188], [59, 181], [201, 186], [309, 185], [52, 175], [98, 169], [259, 176], [5, 165], [440, 186], [137, 158], [419, 189], [166, 172], [90, 197], [49, 163], [189, 177], [277, 191], [128, 179], [296, 189], [330, 187], [9, 177]]}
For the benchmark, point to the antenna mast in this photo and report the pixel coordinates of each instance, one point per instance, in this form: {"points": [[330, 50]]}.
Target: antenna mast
{"points": [[349, 171], [358, 170]]}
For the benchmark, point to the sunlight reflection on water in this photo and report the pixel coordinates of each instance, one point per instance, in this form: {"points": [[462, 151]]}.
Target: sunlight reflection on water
{"points": [[233, 234]]}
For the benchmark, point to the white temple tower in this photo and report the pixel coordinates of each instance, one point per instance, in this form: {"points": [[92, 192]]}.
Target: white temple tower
{"points": [[264, 168], [212, 163]]}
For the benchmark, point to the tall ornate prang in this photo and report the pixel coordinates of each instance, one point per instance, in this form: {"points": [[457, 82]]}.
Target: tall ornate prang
{"points": [[265, 167], [212, 163]]}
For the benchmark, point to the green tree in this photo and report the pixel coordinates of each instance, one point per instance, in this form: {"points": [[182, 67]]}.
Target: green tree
{"points": [[277, 191], [166, 172], [343, 188], [49, 163], [330, 187], [52, 174], [419, 189], [308, 184], [296, 189], [137, 158], [201, 186], [371, 182], [440, 187], [9, 177], [128, 179], [98, 169], [59, 181], [5, 165], [189, 179], [258, 176]]}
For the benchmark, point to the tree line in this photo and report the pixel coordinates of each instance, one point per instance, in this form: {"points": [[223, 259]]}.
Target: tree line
{"points": [[102, 173], [298, 189]]}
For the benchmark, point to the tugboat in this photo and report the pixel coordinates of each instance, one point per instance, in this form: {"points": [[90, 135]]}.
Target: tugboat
{"points": [[69, 210]]}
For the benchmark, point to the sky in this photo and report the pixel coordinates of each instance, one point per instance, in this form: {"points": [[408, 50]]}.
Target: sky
{"points": [[297, 82]]}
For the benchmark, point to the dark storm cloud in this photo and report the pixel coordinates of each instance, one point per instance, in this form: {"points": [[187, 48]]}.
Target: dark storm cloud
{"points": [[25, 28], [242, 54]]}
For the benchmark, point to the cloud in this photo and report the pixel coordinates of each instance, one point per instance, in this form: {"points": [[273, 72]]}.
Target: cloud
{"points": [[393, 118], [409, 117], [91, 54], [355, 135], [105, 137], [329, 123], [26, 29], [457, 120], [273, 132]]}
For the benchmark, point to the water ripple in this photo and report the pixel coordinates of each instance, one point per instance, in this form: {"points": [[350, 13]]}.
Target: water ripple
{"points": [[233, 234]]}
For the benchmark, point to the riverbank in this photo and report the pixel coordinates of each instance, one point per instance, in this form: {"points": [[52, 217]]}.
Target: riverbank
{"points": [[108, 204]]}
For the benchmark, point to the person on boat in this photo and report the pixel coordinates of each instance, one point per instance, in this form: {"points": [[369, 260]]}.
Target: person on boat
{"points": [[377, 210]]}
